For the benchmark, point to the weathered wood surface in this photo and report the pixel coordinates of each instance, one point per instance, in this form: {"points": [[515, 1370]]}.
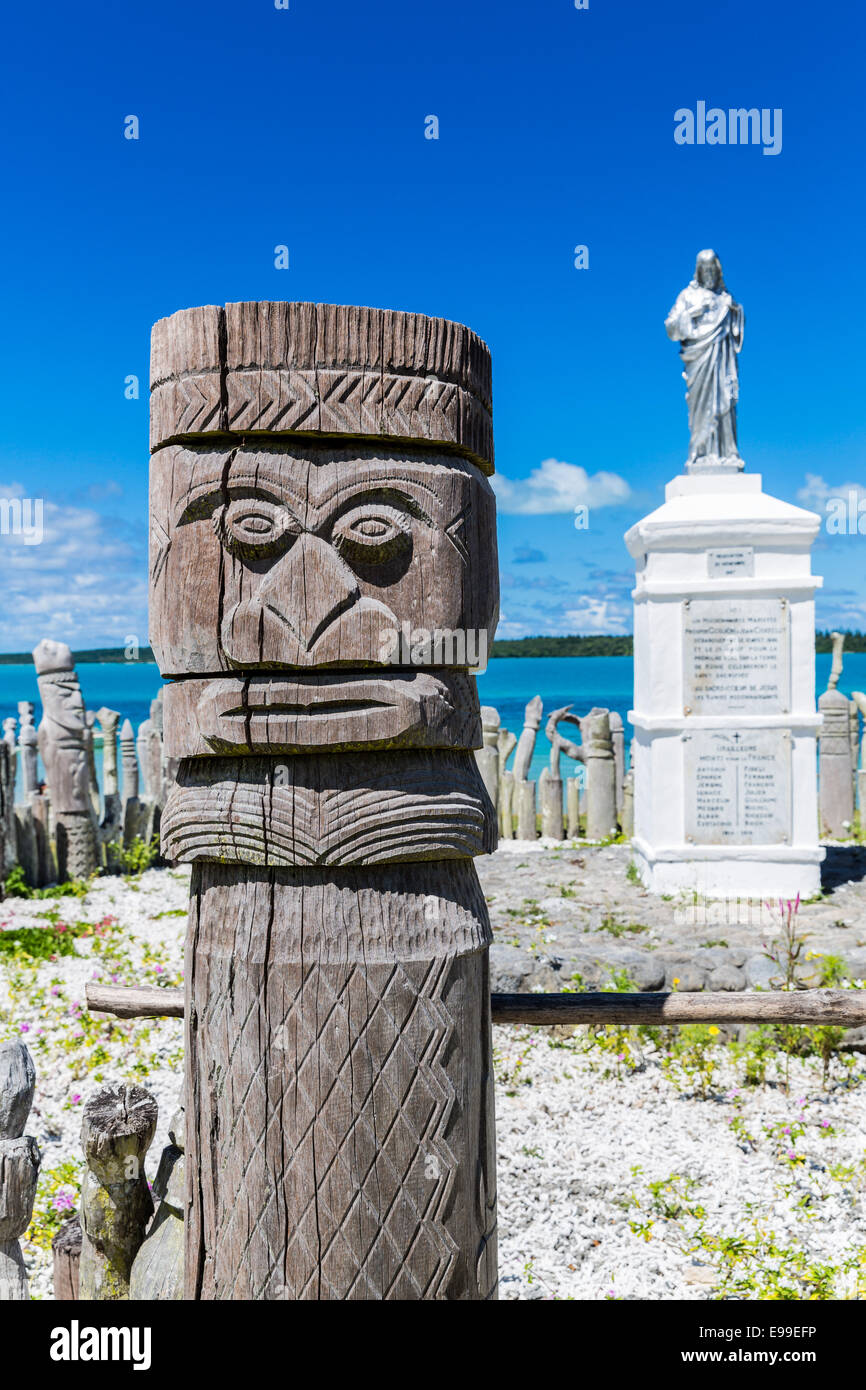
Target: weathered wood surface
{"points": [[844, 1007], [319, 505], [835, 783], [526, 742], [19, 1166], [63, 744], [157, 1270], [321, 369], [329, 712], [117, 1128], [136, 1001], [598, 756], [316, 556], [487, 757], [28, 747], [367, 808], [8, 826], [524, 794], [66, 1252], [348, 1013]]}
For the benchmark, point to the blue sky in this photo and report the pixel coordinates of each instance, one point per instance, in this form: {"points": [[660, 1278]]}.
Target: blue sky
{"points": [[305, 127]]}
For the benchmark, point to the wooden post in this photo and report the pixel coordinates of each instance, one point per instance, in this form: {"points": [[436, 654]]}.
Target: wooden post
{"points": [[27, 748], [109, 719], [526, 742], [550, 796], [572, 805], [506, 805], [617, 739], [63, 745], [66, 1250], [19, 1166], [600, 775], [527, 824], [628, 804], [157, 1270], [8, 843], [322, 565], [487, 757], [116, 1131]]}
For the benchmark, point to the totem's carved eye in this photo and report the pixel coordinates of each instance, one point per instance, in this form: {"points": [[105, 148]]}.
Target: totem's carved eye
{"points": [[372, 534], [253, 527]]}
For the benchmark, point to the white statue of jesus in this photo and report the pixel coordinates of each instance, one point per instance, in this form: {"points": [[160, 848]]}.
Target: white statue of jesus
{"points": [[708, 324]]}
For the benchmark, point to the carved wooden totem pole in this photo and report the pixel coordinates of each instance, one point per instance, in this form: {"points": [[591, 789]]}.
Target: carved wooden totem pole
{"points": [[322, 562], [63, 746]]}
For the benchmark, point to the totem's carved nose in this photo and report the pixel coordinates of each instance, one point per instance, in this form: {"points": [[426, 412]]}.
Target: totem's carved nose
{"points": [[309, 588]]}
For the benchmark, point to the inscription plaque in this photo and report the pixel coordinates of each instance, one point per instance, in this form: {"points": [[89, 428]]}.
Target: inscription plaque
{"points": [[736, 561], [736, 656], [737, 787]]}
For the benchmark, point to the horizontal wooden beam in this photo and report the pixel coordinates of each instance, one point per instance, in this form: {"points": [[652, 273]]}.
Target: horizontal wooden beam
{"points": [[842, 1007], [135, 1001]]}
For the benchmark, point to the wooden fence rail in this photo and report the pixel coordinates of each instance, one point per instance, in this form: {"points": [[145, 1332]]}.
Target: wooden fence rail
{"points": [[842, 1007]]}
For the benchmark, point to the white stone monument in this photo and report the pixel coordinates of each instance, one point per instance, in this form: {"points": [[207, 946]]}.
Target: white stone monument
{"points": [[725, 795]]}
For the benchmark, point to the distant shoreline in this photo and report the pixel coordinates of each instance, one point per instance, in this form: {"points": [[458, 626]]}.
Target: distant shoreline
{"points": [[595, 645]]}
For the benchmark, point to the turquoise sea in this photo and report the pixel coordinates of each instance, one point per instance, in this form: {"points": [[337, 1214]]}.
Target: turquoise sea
{"points": [[508, 683]]}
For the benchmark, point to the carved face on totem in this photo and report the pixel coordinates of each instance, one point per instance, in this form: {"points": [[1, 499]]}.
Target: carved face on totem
{"points": [[314, 557]]}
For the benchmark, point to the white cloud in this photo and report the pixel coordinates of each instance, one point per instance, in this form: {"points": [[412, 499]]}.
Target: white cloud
{"points": [[608, 615], [816, 493], [85, 583], [558, 487]]}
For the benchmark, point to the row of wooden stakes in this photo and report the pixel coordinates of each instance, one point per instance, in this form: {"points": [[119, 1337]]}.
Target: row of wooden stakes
{"points": [[595, 806], [63, 826]]}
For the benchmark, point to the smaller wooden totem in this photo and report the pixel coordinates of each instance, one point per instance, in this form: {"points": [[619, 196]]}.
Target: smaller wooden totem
{"points": [[63, 743], [323, 579]]}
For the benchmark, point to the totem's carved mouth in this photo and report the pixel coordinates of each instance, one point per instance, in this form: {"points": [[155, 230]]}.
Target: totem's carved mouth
{"points": [[271, 715], [322, 709]]}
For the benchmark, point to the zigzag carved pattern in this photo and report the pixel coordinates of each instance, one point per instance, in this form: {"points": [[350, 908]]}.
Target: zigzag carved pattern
{"points": [[272, 400], [368, 1204], [351, 400]]}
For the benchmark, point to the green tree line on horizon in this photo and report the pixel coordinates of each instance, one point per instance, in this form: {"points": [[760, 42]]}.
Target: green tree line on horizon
{"points": [[597, 644]]}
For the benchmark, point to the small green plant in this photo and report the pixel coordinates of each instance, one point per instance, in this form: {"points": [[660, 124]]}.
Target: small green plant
{"points": [[132, 860], [56, 938], [16, 886], [610, 924], [631, 872], [692, 1058]]}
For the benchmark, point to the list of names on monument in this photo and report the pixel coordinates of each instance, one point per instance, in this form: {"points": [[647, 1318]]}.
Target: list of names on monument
{"points": [[737, 787], [736, 656]]}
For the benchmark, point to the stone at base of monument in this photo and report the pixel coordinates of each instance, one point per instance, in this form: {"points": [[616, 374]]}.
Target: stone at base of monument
{"points": [[758, 871], [725, 796]]}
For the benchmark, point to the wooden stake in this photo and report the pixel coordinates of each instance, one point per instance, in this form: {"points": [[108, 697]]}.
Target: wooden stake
{"points": [[116, 1131]]}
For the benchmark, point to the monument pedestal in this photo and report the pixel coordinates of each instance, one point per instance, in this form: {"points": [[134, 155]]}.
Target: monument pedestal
{"points": [[725, 797]]}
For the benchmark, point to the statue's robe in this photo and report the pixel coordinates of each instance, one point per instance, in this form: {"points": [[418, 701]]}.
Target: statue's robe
{"points": [[709, 347]]}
